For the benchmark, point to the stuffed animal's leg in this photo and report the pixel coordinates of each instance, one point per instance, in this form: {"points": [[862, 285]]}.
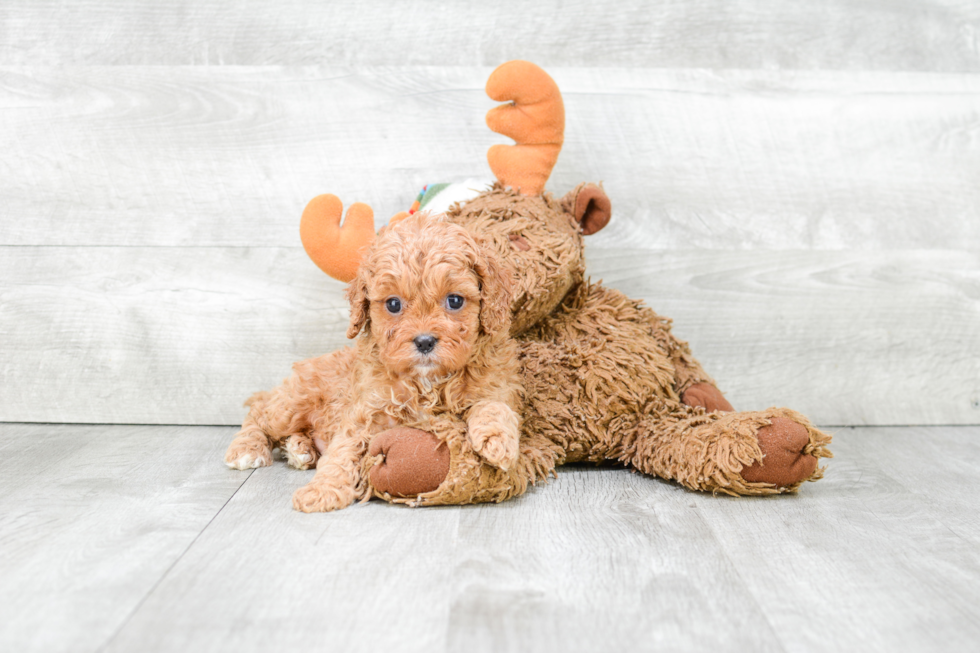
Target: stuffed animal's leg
{"points": [[691, 383], [707, 396], [763, 452], [338, 481], [405, 462]]}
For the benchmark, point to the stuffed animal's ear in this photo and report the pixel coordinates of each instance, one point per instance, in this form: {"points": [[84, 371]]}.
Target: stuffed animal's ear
{"points": [[495, 292], [590, 206], [360, 307]]}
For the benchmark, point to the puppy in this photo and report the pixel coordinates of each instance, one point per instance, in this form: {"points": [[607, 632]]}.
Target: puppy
{"points": [[432, 307]]}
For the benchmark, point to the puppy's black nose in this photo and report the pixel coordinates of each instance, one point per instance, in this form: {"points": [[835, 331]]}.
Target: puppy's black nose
{"points": [[425, 343]]}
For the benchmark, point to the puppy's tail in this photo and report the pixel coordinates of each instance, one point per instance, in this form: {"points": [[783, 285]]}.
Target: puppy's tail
{"points": [[534, 117]]}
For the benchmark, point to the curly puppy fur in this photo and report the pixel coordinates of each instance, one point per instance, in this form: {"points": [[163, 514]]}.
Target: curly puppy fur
{"points": [[432, 306]]}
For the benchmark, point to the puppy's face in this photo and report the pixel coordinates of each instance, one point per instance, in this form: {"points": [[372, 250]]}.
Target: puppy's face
{"points": [[426, 321], [427, 292]]}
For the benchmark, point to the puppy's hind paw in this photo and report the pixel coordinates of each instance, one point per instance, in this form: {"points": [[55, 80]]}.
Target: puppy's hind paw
{"points": [[320, 497], [300, 452], [243, 455]]}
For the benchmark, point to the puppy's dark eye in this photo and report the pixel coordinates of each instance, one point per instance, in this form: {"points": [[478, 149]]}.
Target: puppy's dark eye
{"points": [[394, 305], [454, 302]]}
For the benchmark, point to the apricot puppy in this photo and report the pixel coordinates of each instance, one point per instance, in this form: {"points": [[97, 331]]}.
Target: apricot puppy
{"points": [[432, 307]]}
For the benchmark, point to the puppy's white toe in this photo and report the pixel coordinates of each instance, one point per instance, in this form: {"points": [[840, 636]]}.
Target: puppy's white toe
{"points": [[242, 462], [299, 452], [248, 461]]}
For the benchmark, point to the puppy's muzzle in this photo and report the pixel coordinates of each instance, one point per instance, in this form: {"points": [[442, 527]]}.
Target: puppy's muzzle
{"points": [[425, 343]]}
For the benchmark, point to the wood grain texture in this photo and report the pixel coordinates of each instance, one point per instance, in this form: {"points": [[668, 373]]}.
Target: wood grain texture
{"points": [[941, 468], [837, 34], [91, 517], [264, 577], [856, 337], [611, 561], [882, 535], [157, 335], [866, 557], [880, 555], [205, 156], [184, 335]]}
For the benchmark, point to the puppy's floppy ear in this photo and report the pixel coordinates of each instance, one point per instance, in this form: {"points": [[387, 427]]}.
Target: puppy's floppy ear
{"points": [[360, 307], [495, 291]]}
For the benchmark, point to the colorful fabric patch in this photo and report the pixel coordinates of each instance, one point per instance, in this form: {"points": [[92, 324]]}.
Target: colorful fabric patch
{"points": [[437, 198]]}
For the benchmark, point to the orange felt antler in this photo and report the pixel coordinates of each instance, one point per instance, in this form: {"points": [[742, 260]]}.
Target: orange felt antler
{"points": [[534, 117], [336, 250]]}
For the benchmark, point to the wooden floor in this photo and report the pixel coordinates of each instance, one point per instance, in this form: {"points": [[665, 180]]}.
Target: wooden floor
{"points": [[122, 538]]}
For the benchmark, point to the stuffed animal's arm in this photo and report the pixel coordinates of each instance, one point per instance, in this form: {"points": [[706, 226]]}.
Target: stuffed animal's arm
{"points": [[440, 467]]}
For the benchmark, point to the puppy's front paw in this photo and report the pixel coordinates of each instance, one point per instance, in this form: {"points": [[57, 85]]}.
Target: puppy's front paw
{"points": [[248, 454], [494, 432], [300, 452], [322, 497], [500, 450]]}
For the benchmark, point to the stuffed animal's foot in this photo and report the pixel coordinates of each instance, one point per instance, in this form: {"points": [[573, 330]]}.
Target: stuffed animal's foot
{"points": [[494, 432], [300, 452], [786, 461], [707, 396], [411, 463], [323, 496], [248, 450]]}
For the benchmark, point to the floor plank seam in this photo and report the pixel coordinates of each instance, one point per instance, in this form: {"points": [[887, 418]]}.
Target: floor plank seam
{"points": [[451, 583], [166, 573], [738, 574]]}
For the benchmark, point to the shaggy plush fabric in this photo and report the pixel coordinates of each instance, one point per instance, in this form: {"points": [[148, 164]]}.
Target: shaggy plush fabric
{"points": [[539, 241], [601, 384]]}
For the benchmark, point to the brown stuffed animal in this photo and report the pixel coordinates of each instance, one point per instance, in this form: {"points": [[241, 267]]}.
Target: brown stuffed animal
{"points": [[604, 378]]}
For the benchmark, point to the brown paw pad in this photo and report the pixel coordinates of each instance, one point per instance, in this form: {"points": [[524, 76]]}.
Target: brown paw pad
{"points": [[707, 396], [784, 464], [415, 462]]}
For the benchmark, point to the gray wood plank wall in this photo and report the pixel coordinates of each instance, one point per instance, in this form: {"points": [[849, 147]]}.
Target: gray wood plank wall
{"points": [[920, 35], [796, 185]]}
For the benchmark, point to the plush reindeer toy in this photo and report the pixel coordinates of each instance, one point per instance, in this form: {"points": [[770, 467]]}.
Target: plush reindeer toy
{"points": [[602, 376]]}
